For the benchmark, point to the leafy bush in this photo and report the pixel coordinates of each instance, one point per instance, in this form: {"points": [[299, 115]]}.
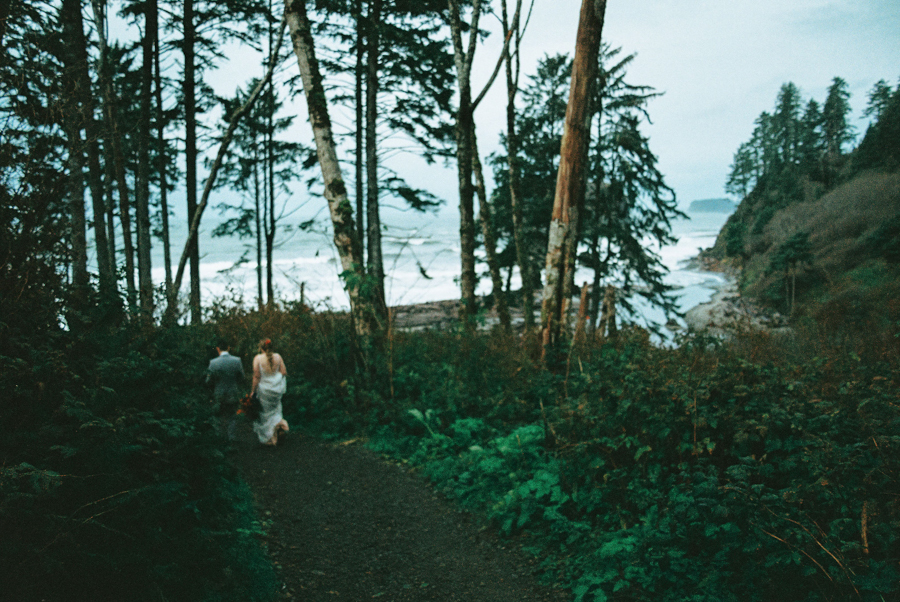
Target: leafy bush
{"points": [[113, 483], [653, 474]]}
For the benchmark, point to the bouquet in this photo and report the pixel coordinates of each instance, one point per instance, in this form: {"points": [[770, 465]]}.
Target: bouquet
{"points": [[250, 406]]}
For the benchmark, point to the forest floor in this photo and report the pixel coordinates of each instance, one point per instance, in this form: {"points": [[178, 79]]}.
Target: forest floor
{"points": [[344, 525]]}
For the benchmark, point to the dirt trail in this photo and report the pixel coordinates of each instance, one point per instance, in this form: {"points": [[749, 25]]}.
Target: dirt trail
{"points": [[346, 526]]}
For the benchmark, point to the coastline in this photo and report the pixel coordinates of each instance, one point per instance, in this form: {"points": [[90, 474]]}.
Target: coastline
{"points": [[727, 311]]}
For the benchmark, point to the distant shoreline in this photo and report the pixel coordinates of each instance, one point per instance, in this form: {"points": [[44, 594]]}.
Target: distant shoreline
{"points": [[727, 310]]}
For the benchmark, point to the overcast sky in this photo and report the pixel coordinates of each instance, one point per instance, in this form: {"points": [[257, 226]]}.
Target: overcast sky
{"points": [[720, 64]]}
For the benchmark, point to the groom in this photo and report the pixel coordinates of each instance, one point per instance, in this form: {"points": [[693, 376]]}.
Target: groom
{"points": [[226, 374]]}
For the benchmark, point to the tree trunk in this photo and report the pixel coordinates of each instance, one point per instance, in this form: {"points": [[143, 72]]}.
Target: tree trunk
{"points": [[464, 156], [109, 202], [163, 178], [115, 159], [257, 200], [570, 181], [360, 150], [269, 222], [77, 217], [190, 154], [145, 280], [594, 311], [512, 157], [270, 163], [608, 327], [490, 243], [570, 262], [73, 123], [345, 237], [376, 259], [84, 98]]}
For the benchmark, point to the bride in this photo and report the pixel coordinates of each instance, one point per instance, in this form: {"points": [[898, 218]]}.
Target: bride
{"points": [[269, 383]]}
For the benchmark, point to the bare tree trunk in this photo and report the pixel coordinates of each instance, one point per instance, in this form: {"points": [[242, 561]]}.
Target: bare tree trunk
{"points": [[864, 527], [345, 237], [464, 156], [570, 263], [142, 196], [360, 150], [77, 218], [115, 159], [512, 156], [257, 200], [124, 216], [163, 179], [109, 202], [190, 155], [608, 327], [579, 335], [115, 162], [269, 222], [270, 178], [375, 258], [171, 310], [85, 101], [490, 243], [570, 181]]}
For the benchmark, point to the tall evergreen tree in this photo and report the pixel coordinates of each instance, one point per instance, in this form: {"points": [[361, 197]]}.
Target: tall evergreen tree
{"points": [[786, 126], [811, 138], [879, 98], [837, 130]]}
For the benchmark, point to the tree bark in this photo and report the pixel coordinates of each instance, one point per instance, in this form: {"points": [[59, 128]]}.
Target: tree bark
{"points": [[163, 178], [84, 99], [269, 220], [375, 258], [490, 242], [360, 149], [142, 196], [77, 217], [608, 328], [72, 123], [345, 237], [257, 200], [190, 155], [464, 157], [115, 158], [594, 311], [270, 178], [570, 181]]}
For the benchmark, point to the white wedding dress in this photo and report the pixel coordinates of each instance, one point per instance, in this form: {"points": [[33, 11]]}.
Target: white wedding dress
{"points": [[270, 389]]}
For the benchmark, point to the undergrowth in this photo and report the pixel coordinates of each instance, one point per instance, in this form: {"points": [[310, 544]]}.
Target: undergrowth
{"points": [[755, 469], [646, 474], [113, 483]]}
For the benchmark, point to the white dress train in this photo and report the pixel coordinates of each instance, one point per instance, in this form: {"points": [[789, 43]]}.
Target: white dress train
{"points": [[269, 390]]}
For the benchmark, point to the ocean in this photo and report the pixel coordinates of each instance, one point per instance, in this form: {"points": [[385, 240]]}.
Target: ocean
{"points": [[421, 260]]}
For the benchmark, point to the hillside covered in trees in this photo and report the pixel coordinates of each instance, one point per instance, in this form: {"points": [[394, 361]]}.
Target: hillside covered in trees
{"points": [[817, 233]]}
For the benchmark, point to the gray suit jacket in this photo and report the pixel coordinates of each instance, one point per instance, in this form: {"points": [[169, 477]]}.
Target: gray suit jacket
{"points": [[226, 373]]}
